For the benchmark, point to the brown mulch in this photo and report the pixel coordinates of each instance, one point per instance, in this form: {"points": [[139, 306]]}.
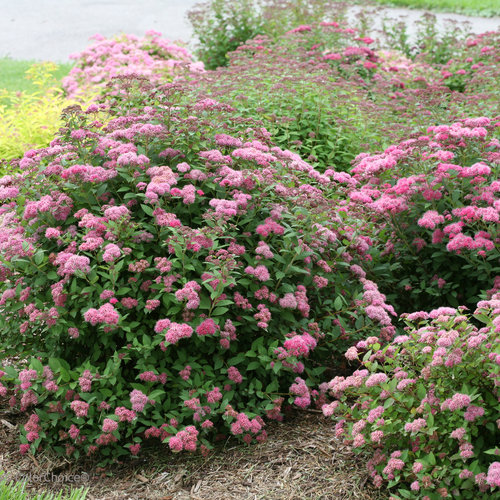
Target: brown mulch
{"points": [[302, 459]]}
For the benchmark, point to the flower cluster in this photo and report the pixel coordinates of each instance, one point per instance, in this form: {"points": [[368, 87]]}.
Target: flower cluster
{"points": [[151, 56]]}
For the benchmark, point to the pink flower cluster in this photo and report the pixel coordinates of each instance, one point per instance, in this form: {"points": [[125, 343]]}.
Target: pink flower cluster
{"points": [[245, 424], [80, 408], [175, 331], [106, 314], [32, 428], [234, 375], [260, 272], [111, 252], [457, 402], [190, 293], [184, 440], [300, 389], [207, 327], [139, 400]]}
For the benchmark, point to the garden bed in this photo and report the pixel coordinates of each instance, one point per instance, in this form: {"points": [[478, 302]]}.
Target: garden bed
{"points": [[196, 264], [302, 460]]}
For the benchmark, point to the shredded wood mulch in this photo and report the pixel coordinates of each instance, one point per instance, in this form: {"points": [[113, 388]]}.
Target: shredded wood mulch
{"points": [[302, 459]]}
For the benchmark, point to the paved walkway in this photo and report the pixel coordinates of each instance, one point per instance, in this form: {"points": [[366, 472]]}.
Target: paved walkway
{"points": [[53, 29], [410, 16]]}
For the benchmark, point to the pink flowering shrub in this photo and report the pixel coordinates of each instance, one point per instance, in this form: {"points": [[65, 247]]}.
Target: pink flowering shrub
{"points": [[426, 405], [436, 210], [474, 68], [327, 92], [152, 56], [166, 277]]}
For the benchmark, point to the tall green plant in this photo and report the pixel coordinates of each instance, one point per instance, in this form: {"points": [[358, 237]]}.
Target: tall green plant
{"points": [[221, 27]]}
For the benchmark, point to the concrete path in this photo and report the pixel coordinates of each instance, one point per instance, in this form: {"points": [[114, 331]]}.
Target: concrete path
{"points": [[410, 16], [53, 29]]}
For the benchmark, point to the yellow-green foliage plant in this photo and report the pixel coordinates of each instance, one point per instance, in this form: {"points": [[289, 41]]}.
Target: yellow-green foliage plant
{"points": [[29, 120]]}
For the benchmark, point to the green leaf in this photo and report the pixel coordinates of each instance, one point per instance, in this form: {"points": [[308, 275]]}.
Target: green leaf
{"points": [[219, 311], [388, 403], [421, 391], [156, 394], [338, 303], [147, 210], [36, 365], [39, 256]]}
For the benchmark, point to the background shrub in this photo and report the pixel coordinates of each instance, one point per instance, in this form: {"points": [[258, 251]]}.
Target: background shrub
{"points": [[30, 119], [152, 57], [327, 93], [221, 27]]}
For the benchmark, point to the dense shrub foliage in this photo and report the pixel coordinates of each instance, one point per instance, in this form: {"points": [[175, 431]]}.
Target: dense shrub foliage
{"points": [[328, 93], [427, 404], [435, 207], [170, 301], [152, 56]]}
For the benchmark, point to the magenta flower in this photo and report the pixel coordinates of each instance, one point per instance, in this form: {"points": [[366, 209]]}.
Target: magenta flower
{"points": [[376, 379], [109, 425], [80, 408], [138, 400], [207, 327]]}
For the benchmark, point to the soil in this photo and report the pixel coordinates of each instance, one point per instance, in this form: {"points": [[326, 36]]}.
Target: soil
{"points": [[302, 459]]}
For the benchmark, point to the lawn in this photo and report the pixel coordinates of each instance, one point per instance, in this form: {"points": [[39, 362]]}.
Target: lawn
{"points": [[13, 74], [17, 491], [471, 7]]}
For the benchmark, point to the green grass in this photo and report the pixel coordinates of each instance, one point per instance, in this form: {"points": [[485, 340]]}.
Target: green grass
{"points": [[473, 7], [16, 491], [13, 78]]}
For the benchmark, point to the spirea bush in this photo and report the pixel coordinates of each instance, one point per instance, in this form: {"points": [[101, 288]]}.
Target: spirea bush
{"points": [[427, 405], [327, 92], [151, 56], [162, 278], [435, 207]]}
